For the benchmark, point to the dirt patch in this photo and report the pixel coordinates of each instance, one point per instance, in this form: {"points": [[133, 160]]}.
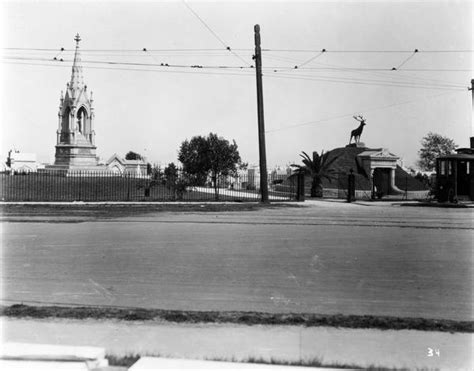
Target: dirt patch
{"points": [[241, 318]]}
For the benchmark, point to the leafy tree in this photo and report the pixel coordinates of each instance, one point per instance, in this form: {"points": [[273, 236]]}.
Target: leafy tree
{"points": [[133, 156], [175, 183], [423, 178], [157, 174], [432, 146], [193, 155], [317, 168], [211, 156], [171, 175]]}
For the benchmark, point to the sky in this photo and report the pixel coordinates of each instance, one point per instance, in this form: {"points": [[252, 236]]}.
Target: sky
{"points": [[151, 109]]}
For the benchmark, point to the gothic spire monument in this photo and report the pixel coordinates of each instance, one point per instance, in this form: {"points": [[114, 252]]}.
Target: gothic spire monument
{"points": [[75, 147]]}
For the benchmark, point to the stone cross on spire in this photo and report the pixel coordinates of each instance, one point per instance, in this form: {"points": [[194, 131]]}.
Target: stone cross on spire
{"points": [[77, 81]]}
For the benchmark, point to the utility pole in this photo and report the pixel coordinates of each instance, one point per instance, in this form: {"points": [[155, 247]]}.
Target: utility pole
{"points": [[472, 107], [472, 95], [261, 124]]}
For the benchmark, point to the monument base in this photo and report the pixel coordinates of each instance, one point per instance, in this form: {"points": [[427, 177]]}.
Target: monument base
{"points": [[77, 160], [76, 155]]}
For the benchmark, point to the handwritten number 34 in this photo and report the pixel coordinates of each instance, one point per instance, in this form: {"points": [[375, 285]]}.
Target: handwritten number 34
{"points": [[432, 352]]}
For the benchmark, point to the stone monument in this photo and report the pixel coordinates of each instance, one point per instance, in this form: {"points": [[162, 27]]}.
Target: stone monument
{"points": [[75, 148]]}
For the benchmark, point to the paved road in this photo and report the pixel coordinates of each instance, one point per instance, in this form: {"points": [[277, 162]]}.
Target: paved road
{"points": [[325, 257]]}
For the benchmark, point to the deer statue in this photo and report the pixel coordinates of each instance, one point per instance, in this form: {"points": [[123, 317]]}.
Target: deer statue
{"points": [[356, 133]]}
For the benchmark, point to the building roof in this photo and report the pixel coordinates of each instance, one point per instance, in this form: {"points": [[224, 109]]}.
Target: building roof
{"points": [[457, 156], [468, 151], [123, 161], [379, 153]]}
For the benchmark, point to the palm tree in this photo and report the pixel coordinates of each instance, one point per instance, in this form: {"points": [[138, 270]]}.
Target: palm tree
{"points": [[318, 168]]}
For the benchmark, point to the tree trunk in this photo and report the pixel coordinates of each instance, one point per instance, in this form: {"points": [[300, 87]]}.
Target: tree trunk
{"points": [[316, 187], [216, 190]]}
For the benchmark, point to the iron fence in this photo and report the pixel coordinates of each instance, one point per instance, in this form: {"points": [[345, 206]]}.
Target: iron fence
{"points": [[410, 189], [59, 185]]}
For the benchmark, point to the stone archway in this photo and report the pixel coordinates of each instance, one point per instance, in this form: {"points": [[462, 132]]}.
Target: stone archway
{"points": [[381, 181], [381, 165]]}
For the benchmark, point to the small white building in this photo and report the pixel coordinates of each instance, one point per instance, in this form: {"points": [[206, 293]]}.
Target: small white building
{"points": [[120, 166], [250, 177], [21, 162]]}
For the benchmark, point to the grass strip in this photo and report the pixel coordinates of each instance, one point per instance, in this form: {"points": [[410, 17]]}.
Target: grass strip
{"points": [[445, 205], [105, 210], [128, 360], [241, 318]]}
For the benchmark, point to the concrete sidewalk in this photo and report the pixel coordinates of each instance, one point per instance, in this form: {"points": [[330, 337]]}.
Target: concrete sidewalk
{"points": [[324, 346]]}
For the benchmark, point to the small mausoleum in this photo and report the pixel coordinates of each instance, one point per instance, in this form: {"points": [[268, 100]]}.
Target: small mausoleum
{"points": [[119, 166], [454, 175]]}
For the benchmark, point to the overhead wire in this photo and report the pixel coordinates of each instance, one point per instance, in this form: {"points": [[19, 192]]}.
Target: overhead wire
{"points": [[389, 74], [406, 60], [305, 62], [196, 72], [360, 82], [137, 50], [328, 67], [407, 75], [157, 64], [407, 84], [264, 50], [212, 32], [366, 51], [280, 58], [398, 83], [380, 74], [311, 59], [342, 68], [150, 55], [57, 55], [287, 76], [285, 59]]}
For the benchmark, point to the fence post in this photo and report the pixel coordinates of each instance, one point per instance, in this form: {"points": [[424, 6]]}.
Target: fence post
{"points": [[300, 187], [406, 186], [128, 187], [80, 185], [351, 186]]}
